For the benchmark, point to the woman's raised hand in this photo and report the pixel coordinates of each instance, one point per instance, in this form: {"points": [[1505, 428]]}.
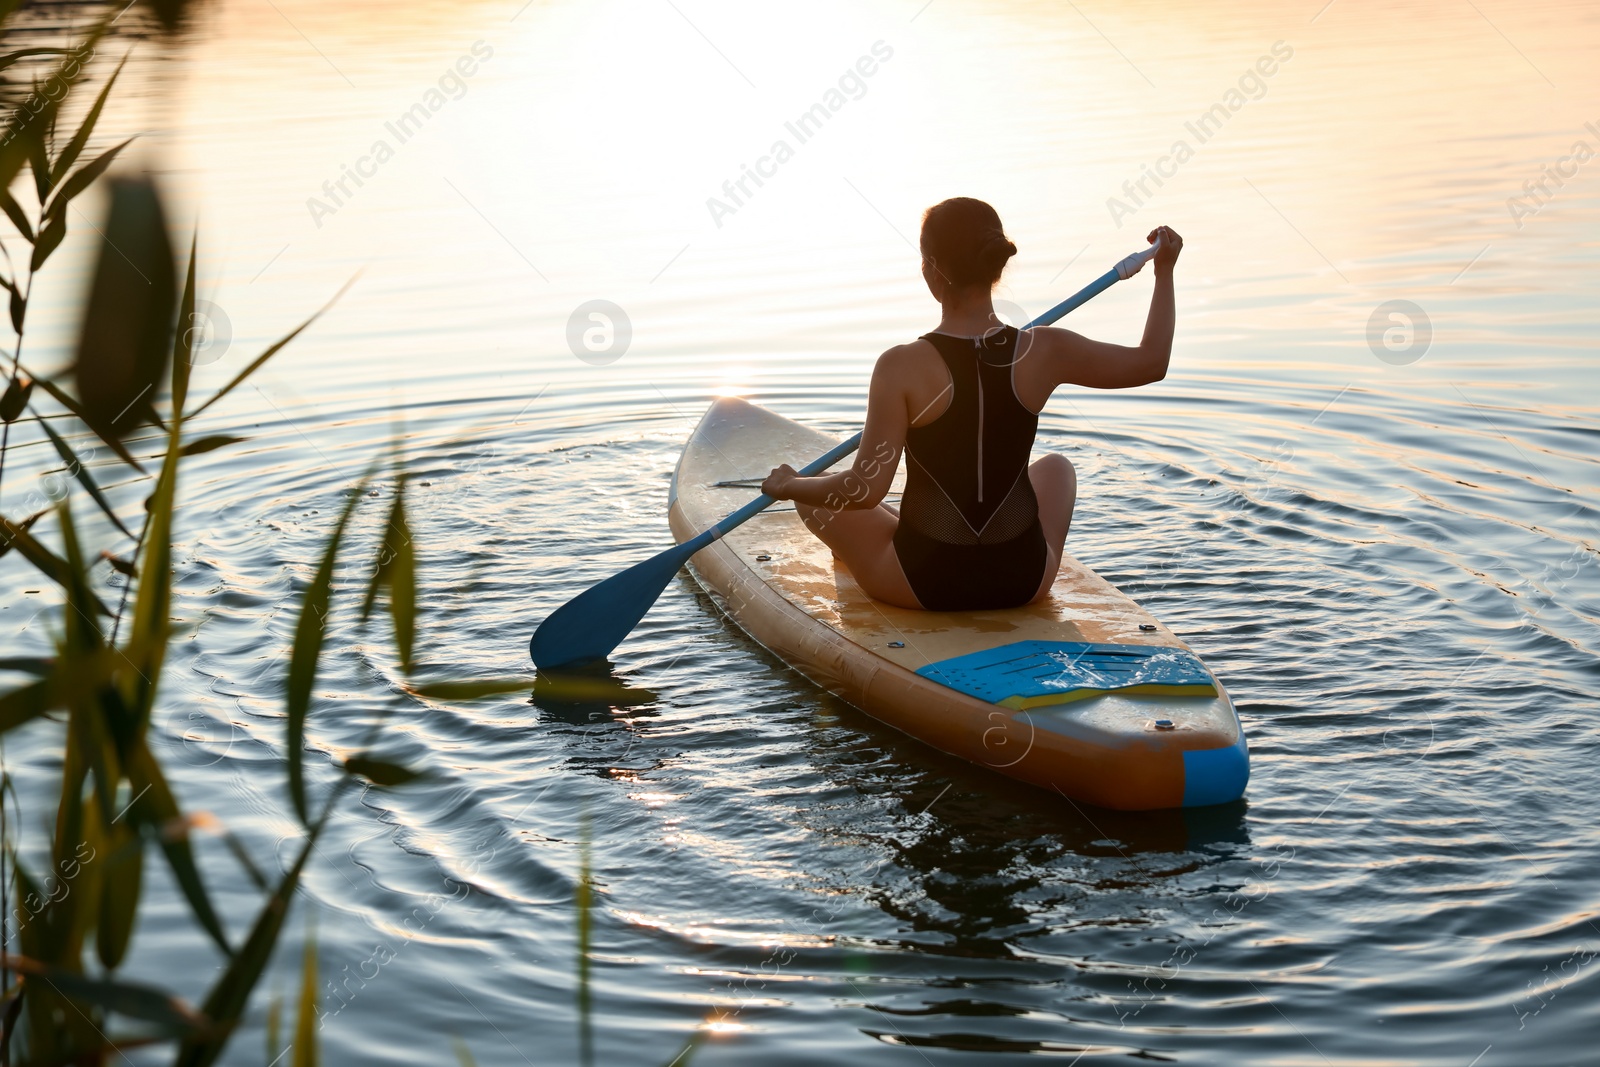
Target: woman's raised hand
{"points": [[1171, 246]]}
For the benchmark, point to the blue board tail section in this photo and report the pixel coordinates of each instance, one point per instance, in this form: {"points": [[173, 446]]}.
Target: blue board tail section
{"points": [[1215, 775]]}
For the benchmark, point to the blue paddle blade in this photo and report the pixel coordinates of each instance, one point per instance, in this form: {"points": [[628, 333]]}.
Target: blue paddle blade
{"points": [[595, 621]]}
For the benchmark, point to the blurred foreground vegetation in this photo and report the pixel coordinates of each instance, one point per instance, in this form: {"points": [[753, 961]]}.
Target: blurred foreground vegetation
{"points": [[71, 904], [71, 915]]}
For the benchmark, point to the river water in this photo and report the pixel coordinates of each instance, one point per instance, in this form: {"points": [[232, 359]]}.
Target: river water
{"points": [[1375, 521]]}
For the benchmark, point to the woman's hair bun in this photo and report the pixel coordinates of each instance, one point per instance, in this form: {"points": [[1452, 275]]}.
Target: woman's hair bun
{"points": [[996, 250]]}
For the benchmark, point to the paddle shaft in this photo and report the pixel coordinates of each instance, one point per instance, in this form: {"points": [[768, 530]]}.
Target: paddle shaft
{"points": [[594, 622], [1127, 268]]}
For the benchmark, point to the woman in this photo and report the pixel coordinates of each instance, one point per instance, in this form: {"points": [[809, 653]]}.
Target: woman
{"points": [[979, 527]]}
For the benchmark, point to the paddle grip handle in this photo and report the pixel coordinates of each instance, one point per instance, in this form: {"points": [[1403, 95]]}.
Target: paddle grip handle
{"points": [[1130, 266], [1121, 272]]}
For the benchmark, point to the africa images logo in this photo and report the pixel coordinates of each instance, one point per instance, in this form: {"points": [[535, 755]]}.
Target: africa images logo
{"points": [[1252, 85], [452, 85], [802, 129]]}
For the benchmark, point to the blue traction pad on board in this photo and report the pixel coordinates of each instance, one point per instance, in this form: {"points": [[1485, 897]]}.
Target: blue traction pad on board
{"points": [[1026, 674]]}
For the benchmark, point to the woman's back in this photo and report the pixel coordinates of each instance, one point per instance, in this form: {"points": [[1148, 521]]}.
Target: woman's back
{"points": [[969, 536]]}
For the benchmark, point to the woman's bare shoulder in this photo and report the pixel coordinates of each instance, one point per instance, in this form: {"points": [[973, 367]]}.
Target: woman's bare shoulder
{"points": [[910, 357], [1057, 339]]}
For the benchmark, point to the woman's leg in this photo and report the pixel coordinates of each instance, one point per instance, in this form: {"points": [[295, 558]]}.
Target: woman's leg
{"points": [[864, 540], [1055, 483]]}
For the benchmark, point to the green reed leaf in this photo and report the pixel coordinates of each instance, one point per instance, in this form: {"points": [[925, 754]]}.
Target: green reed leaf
{"points": [[152, 606], [309, 633], [403, 579], [125, 336], [38, 666], [69, 154], [16, 535], [170, 13], [211, 444], [183, 338], [92, 709], [38, 159], [23, 705], [156, 808], [59, 683], [229, 997], [28, 930], [132, 999], [396, 570], [81, 473], [50, 237], [272, 350], [25, 525], [119, 900], [25, 53], [120, 565], [83, 632], [251, 871], [274, 1029], [305, 1030], [110, 440], [15, 398], [18, 217], [31, 932], [23, 139], [379, 579], [380, 772], [81, 179]]}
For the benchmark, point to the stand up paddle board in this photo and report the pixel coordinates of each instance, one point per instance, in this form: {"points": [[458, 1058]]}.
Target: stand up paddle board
{"points": [[1083, 692]]}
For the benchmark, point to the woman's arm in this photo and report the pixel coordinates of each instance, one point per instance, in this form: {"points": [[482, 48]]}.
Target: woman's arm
{"points": [[1076, 360], [882, 439]]}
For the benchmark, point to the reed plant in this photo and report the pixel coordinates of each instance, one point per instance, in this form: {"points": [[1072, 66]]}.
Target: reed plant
{"points": [[72, 916], [71, 905]]}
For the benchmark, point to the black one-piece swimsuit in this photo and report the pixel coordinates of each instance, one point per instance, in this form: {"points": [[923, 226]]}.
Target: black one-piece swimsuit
{"points": [[969, 537]]}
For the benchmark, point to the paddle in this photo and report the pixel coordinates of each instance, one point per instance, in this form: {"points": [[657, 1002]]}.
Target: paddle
{"points": [[594, 622]]}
